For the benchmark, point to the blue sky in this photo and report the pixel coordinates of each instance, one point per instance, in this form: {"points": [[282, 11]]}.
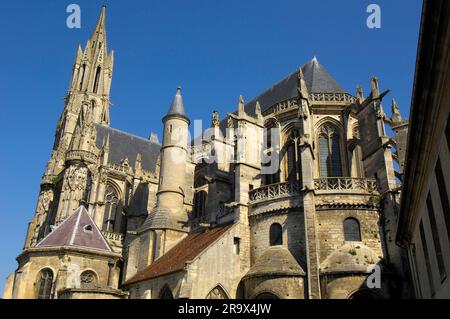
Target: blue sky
{"points": [[215, 50]]}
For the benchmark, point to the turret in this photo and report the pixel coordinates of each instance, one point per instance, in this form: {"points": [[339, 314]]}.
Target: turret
{"points": [[170, 196]]}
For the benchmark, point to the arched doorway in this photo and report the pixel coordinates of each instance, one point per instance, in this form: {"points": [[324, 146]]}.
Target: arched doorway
{"points": [[166, 293]]}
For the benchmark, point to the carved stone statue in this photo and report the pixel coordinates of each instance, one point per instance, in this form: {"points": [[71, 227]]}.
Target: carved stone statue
{"points": [[215, 119]]}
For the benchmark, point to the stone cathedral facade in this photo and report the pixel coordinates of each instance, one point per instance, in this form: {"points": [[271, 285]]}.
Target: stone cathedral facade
{"points": [[120, 216]]}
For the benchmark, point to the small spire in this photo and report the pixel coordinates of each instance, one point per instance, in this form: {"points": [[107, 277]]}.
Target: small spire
{"points": [[258, 112], [241, 104], [138, 163], [314, 60], [301, 84], [359, 93], [375, 87], [396, 115], [154, 138], [99, 34], [177, 107]]}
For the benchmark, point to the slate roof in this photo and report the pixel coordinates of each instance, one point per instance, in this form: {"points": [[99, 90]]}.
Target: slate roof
{"points": [[124, 145], [317, 79], [177, 257], [276, 260], [79, 230]]}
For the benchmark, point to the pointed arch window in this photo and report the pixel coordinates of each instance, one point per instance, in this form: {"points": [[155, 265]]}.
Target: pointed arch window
{"points": [[217, 293], [97, 79], [200, 199], [111, 208], [276, 235], [293, 161], [329, 152], [271, 171], [45, 284], [83, 72]]}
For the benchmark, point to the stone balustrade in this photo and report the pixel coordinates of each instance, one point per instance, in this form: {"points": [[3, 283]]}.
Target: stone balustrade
{"points": [[346, 184], [113, 237], [79, 155], [332, 97], [275, 191]]}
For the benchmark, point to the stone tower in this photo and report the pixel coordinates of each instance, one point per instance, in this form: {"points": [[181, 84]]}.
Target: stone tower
{"points": [[66, 182], [167, 223]]}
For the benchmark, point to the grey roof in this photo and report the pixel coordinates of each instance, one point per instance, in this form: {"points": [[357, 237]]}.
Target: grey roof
{"points": [[177, 107], [79, 230], [276, 260], [123, 145], [317, 79]]}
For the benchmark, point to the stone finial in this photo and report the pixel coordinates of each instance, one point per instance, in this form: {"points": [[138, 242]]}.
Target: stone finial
{"points": [[230, 122], [241, 104], [138, 164], [258, 111], [301, 85], [396, 116], [215, 119], [154, 138], [375, 87], [359, 93]]}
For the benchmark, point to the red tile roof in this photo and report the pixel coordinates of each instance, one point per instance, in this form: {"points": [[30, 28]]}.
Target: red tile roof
{"points": [[79, 230], [177, 257]]}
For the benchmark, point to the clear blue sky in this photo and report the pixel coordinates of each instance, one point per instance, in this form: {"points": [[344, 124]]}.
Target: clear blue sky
{"points": [[215, 49]]}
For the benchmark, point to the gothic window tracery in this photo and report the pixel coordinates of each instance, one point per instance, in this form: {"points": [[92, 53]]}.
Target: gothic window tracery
{"points": [[111, 208], [45, 284], [329, 152], [200, 199], [217, 293], [293, 161]]}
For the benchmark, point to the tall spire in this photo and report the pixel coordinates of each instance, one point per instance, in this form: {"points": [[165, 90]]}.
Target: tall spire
{"points": [[98, 38]]}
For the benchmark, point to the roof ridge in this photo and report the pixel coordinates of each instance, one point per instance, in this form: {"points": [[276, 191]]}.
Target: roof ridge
{"points": [[129, 134]]}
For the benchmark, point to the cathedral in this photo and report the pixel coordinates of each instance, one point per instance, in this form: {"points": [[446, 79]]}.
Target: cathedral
{"points": [[293, 194]]}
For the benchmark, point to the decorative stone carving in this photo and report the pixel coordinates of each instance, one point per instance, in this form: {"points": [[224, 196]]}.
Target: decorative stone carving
{"points": [[215, 119], [77, 178]]}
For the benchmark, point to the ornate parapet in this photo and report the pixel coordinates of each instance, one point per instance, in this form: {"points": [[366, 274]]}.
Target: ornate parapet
{"points": [[79, 155], [327, 98], [282, 106], [346, 193], [346, 185], [121, 169], [114, 239], [274, 191]]}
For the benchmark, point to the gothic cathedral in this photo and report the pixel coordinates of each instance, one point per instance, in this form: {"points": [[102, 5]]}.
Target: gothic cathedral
{"points": [[120, 216]]}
